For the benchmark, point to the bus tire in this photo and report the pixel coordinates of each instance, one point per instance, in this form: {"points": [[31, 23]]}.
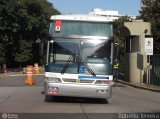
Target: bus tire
{"points": [[109, 100], [106, 101], [48, 98]]}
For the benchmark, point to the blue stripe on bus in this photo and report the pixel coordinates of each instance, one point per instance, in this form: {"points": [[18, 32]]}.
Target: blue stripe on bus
{"points": [[94, 77]]}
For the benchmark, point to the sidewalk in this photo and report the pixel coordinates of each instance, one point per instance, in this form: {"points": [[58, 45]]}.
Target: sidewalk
{"points": [[144, 86]]}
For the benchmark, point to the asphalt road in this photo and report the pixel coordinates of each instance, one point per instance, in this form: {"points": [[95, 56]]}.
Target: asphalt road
{"points": [[16, 97]]}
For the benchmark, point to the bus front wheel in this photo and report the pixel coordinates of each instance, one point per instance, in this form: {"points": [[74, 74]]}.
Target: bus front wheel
{"points": [[48, 98]]}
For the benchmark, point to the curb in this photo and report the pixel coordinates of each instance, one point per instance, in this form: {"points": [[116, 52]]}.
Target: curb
{"points": [[140, 87], [16, 75]]}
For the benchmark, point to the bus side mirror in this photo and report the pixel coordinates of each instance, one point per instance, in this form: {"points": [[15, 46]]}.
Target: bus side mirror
{"points": [[116, 51]]}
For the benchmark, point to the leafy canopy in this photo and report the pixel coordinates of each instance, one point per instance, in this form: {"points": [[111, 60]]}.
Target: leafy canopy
{"points": [[151, 13], [22, 22]]}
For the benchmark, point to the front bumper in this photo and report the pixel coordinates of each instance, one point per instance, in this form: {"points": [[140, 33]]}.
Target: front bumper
{"points": [[78, 90]]}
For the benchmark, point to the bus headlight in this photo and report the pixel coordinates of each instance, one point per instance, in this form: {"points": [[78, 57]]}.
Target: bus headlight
{"points": [[101, 82], [54, 80]]}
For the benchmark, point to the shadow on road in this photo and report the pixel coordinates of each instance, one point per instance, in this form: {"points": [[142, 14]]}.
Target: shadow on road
{"points": [[118, 85], [64, 99]]}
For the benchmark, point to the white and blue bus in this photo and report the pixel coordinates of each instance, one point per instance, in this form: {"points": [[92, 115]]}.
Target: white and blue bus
{"points": [[80, 56]]}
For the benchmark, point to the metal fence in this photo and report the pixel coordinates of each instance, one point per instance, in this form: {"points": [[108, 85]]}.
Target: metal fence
{"points": [[155, 72]]}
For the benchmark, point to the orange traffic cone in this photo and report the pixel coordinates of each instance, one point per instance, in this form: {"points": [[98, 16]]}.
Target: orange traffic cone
{"points": [[36, 68], [29, 80]]}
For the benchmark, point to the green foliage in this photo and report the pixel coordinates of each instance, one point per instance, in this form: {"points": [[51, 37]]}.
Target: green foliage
{"points": [[2, 52], [22, 22], [48, 8], [6, 10], [23, 53], [151, 13], [118, 25]]}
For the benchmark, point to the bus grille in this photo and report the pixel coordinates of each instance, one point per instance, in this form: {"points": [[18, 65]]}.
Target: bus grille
{"points": [[81, 81]]}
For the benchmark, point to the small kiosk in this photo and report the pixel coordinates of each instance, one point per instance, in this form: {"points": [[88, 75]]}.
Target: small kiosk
{"points": [[135, 34]]}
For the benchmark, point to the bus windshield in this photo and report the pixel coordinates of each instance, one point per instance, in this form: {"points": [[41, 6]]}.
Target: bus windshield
{"points": [[95, 53], [60, 50], [96, 49]]}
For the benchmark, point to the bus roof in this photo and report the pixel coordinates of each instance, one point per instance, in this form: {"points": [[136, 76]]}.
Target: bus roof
{"points": [[92, 18]]}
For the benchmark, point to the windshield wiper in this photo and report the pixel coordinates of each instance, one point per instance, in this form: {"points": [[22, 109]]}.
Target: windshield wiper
{"points": [[85, 65], [66, 65], [79, 60]]}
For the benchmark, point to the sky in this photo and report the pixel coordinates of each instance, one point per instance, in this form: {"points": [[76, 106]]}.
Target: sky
{"points": [[124, 7]]}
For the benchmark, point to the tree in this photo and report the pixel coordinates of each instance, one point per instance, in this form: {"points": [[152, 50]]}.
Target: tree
{"points": [[23, 53], [6, 8], [48, 8], [151, 13], [2, 56], [118, 25], [33, 20], [22, 22]]}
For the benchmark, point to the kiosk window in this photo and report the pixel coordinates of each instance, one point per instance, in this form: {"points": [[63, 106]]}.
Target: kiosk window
{"points": [[132, 44]]}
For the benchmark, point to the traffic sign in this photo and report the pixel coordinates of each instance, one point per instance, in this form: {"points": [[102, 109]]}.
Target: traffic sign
{"points": [[149, 46]]}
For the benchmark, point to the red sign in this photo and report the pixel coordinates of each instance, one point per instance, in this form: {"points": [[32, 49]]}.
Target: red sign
{"points": [[58, 25]]}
